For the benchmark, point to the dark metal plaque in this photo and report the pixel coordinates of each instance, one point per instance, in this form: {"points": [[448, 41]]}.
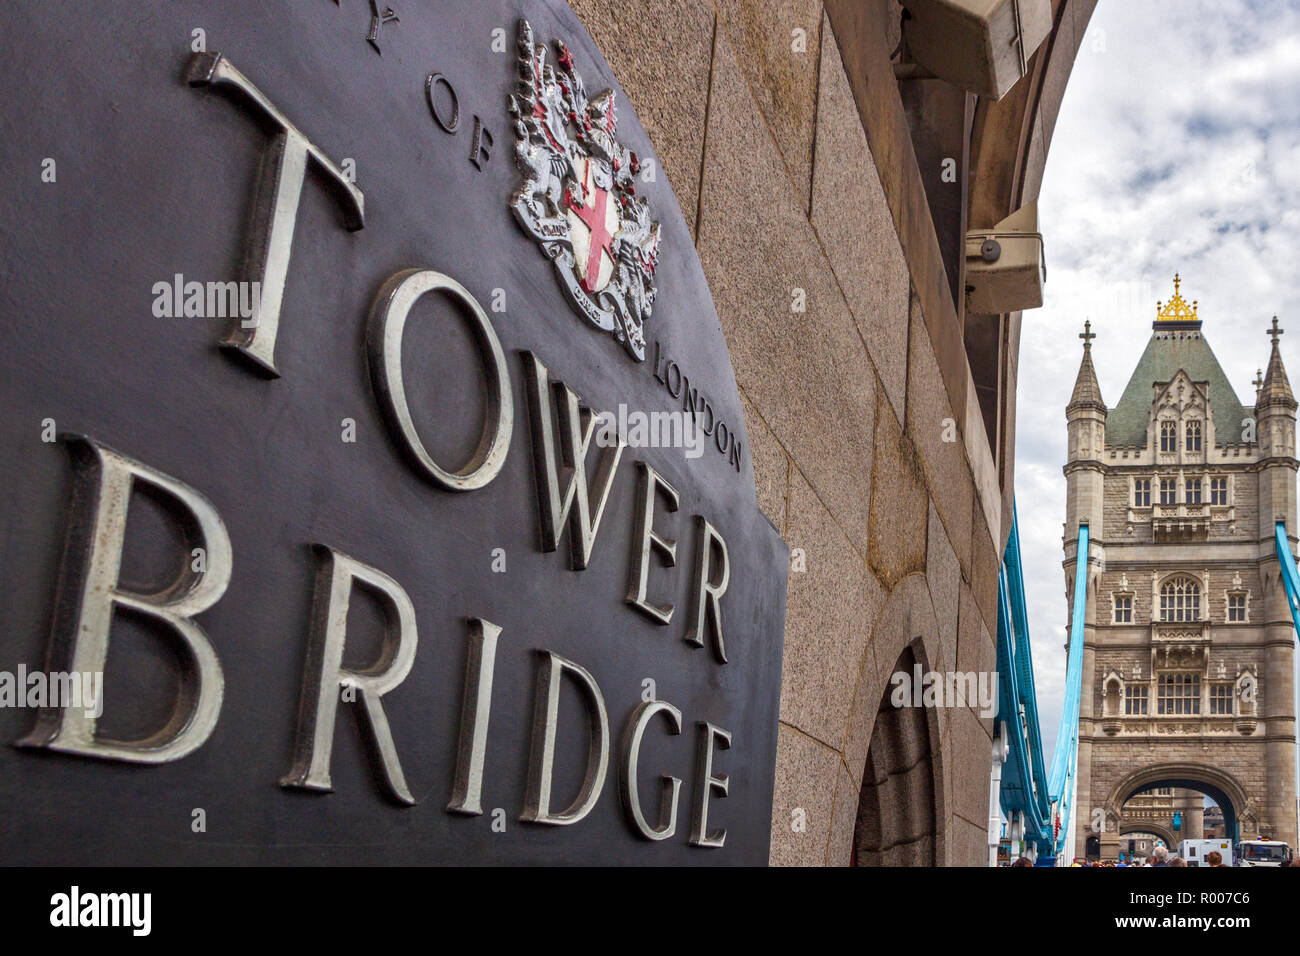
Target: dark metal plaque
{"points": [[323, 544]]}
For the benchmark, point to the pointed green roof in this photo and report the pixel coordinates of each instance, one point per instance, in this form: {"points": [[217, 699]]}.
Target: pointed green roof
{"points": [[1166, 353]]}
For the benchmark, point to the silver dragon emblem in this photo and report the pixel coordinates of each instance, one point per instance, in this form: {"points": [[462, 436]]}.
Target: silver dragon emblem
{"points": [[578, 198]]}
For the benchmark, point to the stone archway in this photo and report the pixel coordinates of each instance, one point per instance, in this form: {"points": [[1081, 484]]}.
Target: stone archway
{"points": [[896, 821], [902, 800], [1239, 812], [1154, 828], [1092, 847]]}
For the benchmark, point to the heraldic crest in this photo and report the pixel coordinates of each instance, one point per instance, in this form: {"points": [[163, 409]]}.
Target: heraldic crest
{"points": [[578, 195]]}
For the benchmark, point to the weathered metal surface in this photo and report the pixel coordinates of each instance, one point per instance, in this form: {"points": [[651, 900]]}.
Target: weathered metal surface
{"points": [[137, 164]]}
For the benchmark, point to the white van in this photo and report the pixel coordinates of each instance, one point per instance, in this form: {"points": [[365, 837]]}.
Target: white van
{"points": [[1195, 851], [1262, 853]]}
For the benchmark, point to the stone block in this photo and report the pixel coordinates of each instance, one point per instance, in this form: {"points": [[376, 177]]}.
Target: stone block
{"points": [[806, 776], [778, 42], [986, 562], [830, 608], [969, 760], [839, 848], [856, 228], [969, 843], [662, 61], [899, 505], [797, 354], [771, 466], [933, 431], [943, 575]]}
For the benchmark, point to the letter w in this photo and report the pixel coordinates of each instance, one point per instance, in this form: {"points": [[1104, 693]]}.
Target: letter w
{"points": [[577, 424]]}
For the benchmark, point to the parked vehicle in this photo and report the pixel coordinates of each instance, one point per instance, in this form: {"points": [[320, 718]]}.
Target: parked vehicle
{"points": [[1262, 853], [1195, 851]]}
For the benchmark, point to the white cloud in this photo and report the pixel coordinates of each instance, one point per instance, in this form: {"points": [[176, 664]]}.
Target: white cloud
{"points": [[1177, 150]]}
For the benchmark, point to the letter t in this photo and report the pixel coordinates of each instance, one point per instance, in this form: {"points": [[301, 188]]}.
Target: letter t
{"points": [[278, 199]]}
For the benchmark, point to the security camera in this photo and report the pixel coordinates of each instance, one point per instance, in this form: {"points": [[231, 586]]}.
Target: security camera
{"points": [[1005, 265]]}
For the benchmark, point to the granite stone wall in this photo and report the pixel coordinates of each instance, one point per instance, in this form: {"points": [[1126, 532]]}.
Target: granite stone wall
{"points": [[870, 456]]}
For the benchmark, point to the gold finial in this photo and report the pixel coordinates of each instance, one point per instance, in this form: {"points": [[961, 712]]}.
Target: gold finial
{"points": [[1177, 309]]}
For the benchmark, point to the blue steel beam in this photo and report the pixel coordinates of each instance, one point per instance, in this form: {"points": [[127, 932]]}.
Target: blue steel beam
{"points": [[1019, 790], [1039, 797], [1024, 782], [1065, 756], [1290, 576], [1024, 664]]}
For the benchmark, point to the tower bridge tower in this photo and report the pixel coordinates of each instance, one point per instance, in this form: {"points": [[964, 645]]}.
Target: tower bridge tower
{"points": [[1188, 649]]}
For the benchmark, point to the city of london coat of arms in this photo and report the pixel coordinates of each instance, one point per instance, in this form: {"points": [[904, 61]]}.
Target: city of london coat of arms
{"points": [[578, 196]]}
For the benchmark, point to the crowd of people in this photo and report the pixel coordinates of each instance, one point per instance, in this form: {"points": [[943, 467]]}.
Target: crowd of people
{"points": [[1160, 856]]}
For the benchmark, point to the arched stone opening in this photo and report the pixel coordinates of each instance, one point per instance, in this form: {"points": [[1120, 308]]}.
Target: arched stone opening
{"points": [[1112, 698], [897, 818], [1156, 829], [1239, 816]]}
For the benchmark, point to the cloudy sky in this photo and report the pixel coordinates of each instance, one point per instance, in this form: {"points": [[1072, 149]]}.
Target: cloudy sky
{"points": [[1177, 150]]}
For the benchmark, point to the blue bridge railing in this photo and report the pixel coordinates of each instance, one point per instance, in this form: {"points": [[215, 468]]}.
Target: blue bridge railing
{"points": [[1038, 803]]}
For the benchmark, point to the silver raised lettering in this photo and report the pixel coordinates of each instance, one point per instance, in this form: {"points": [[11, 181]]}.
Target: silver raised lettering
{"points": [[90, 593], [582, 510], [706, 594], [707, 782], [388, 318], [279, 196], [627, 778], [476, 708], [325, 677], [541, 764], [649, 484]]}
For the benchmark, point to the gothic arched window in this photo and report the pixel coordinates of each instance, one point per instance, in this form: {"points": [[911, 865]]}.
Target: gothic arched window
{"points": [[1193, 430], [1168, 491], [1168, 436], [1180, 600]]}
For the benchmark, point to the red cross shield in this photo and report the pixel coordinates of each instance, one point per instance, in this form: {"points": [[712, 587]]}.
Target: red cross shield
{"points": [[592, 224]]}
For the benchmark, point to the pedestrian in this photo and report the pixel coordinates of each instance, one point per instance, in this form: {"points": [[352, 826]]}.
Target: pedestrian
{"points": [[1214, 858], [1161, 855], [1023, 861], [1177, 861]]}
